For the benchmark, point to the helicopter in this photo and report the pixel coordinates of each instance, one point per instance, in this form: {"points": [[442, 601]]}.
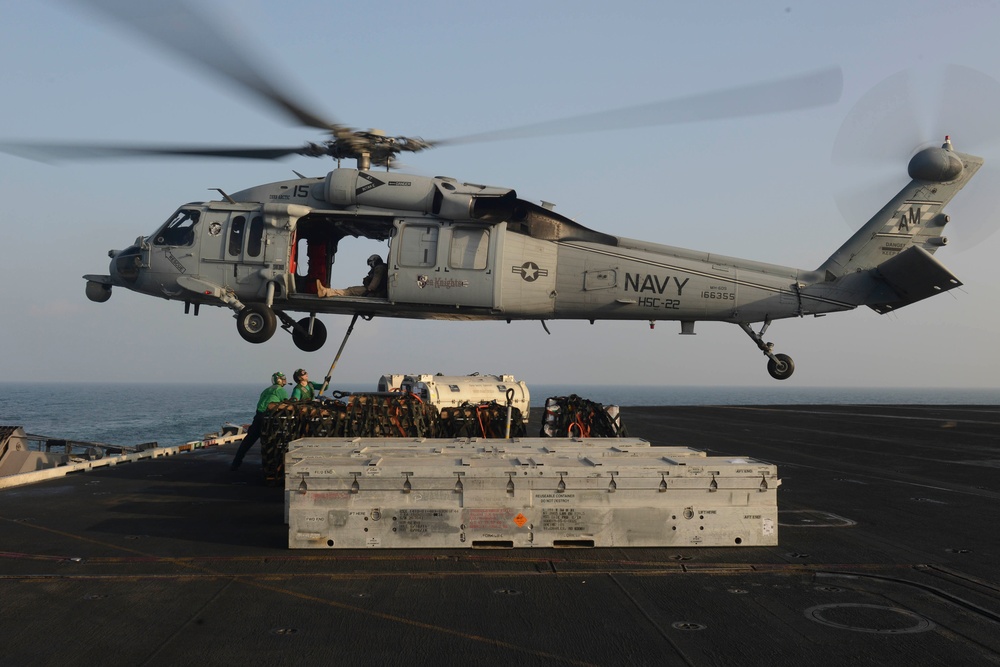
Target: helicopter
{"points": [[464, 251]]}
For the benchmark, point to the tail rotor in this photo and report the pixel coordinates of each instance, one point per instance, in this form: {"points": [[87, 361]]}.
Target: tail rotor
{"points": [[912, 110]]}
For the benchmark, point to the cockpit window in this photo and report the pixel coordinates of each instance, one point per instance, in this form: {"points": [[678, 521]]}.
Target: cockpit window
{"points": [[179, 230]]}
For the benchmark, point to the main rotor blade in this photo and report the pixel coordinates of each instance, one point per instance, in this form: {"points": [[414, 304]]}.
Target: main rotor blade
{"points": [[52, 152], [180, 28], [802, 91]]}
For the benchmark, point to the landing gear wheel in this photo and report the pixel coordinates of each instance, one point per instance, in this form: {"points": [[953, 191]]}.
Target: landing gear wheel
{"points": [[782, 368], [256, 323], [304, 341]]}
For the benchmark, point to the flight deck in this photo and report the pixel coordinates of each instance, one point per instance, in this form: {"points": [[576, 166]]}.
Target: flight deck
{"points": [[887, 553]]}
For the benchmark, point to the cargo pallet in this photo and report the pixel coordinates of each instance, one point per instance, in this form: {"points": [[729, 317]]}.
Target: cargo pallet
{"points": [[356, 493]]}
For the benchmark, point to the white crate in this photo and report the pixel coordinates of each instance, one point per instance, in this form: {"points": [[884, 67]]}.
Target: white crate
{"points": [[456, 390], [530, 492]]}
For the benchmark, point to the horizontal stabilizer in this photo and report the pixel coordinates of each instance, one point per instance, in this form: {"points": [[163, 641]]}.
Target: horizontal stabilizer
{"points": [[911, 276]]}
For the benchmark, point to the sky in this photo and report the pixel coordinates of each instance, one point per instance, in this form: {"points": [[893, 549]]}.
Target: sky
{"points": [[766, 188]]}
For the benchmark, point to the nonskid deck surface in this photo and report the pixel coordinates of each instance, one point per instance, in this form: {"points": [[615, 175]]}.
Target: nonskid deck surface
{"points": [[888, 554]]}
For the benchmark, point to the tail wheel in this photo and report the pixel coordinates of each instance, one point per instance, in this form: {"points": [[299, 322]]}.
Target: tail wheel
{"points": [[304, 341], [780, 367], [256, 323]]}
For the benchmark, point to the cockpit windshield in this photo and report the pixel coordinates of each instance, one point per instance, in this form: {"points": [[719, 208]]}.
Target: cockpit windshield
{"points": [[179, 229]]}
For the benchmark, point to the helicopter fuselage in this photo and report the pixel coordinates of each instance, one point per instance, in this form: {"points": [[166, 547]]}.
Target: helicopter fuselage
{"points": [[511, 260], [460, 251]]}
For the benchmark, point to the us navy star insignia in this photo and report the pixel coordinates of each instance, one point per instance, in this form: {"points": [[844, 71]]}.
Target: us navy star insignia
{"points": [[529, 271]]}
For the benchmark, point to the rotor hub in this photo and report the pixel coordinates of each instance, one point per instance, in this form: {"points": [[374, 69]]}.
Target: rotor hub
{"points": [[367, 147]]}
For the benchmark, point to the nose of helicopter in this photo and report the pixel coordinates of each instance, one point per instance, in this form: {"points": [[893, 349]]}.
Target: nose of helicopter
{"points": [[125, 265]]}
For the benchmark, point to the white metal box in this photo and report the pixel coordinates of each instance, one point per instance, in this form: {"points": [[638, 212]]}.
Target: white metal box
{"points": [[452, 391], [528, 492]]}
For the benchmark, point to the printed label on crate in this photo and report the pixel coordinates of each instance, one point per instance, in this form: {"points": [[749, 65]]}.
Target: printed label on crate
{"points": [[488, 519], [555, 498], [417, 522], [564, 519]]}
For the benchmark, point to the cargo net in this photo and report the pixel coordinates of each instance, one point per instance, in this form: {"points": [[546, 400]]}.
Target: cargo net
{"points": [[575, 417], [398, 415], [484, 420]]}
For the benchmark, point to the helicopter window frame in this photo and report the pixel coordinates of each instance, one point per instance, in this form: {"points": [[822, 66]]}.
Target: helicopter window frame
{"points": [[237, 231], [179, 229], [469, 248], [413, 240], [255, 237]]}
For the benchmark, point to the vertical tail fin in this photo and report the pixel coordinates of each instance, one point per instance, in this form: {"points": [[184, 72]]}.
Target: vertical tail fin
{"points": [[888, 263], [913, 218]]}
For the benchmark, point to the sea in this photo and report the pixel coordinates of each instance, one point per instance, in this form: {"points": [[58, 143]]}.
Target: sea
{"points": [[172, 414]]}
